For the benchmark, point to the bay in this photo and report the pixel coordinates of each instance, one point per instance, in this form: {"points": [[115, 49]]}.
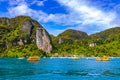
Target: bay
{"points": [[59, 69]]}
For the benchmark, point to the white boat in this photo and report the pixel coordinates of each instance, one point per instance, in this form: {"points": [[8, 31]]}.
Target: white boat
{"points": [[21, 58]]}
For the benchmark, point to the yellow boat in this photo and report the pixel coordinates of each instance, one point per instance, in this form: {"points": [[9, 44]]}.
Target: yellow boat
{"points": [[98, 59], [33, 58], [104, 58]]}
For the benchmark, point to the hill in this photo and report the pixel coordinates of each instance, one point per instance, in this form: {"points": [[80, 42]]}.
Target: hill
{"points": [[21, 33], [73, 34], [68, 36], [106, 34], [106, 42]]}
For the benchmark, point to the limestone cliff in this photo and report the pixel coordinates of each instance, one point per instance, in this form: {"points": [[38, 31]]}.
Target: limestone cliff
{"points": [[43, 40], [27, 27]]}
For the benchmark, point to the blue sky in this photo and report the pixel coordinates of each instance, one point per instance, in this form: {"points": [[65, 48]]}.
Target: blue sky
{"points": [[55, 16]]}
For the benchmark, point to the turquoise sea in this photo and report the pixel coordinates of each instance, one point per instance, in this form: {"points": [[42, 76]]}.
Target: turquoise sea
{"points": [[59, 69]]}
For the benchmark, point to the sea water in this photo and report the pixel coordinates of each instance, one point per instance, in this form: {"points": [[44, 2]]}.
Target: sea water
{"points": [[59, 69]]}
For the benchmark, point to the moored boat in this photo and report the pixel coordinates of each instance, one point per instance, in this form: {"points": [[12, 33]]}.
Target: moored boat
{"points": [[33, 58], [21, 58], [98, 59], [104, 58], [75, 58]]}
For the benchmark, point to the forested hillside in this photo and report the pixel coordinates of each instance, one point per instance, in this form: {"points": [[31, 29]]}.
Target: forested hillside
{"points": [[106, 42]]}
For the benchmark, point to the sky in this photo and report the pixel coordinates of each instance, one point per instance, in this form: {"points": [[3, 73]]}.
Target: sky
{"points": [[56, 16]]}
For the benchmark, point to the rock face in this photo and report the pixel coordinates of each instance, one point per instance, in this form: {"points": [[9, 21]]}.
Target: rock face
{"points": [[60, 41], [4, 20], [27, 27], [43, 40]]}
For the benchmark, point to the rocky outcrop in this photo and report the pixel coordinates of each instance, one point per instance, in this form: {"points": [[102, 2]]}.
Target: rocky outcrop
{"points": [[43, 40], [20, 42], [60, 41], [5, 21], [27, 27]]}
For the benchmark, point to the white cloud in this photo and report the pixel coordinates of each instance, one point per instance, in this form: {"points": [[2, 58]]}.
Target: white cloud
{"points": [[88, 15], [39, 3], [19, 10], [23, 9]]}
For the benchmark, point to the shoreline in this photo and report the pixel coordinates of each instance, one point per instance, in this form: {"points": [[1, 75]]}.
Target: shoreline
{"points": [[78, 57], [58, 57]]}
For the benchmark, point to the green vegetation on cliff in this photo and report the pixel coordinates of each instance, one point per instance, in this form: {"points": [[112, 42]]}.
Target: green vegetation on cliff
{"points": [[18, 37]]}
